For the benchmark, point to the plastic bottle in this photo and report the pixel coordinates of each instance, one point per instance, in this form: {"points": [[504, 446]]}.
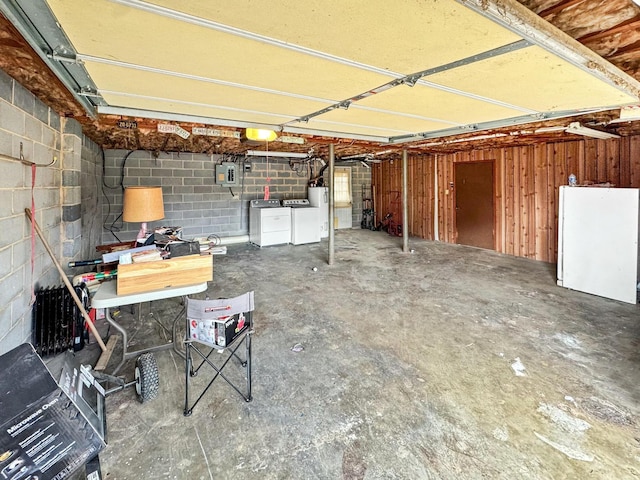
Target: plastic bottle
{"points": [[572, 180]]}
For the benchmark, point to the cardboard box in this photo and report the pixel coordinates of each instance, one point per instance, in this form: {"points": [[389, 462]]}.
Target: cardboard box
{"points": [[175, 272], [221, 331], [44, 433], [230, 328], [219, 322]]}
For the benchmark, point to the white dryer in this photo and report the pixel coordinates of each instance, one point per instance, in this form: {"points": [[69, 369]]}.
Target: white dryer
{"points": [[269, 223], [304, 221]]}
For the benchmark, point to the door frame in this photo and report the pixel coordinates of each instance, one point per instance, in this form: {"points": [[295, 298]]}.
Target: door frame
{"points": [[493, 198]]}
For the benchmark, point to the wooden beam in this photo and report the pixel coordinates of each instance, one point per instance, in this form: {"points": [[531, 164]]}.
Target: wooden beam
{"points": [[106, 355], [632, 25]]}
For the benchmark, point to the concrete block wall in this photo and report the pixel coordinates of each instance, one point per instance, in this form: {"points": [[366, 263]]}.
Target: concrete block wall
{"points": [[58, 197], [26, 121], [192, 200], [71, 189], [88, 234]]}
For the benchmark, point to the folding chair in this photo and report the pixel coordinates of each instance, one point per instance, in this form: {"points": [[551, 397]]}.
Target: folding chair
{"points": [[219, 325]]}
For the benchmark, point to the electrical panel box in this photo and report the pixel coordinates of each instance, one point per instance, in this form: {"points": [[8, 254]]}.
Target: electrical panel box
{"points": [[227, 174]]}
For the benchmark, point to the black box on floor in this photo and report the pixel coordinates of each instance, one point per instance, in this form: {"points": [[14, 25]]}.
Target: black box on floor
{"points": [[43, 433], [92, 469]]}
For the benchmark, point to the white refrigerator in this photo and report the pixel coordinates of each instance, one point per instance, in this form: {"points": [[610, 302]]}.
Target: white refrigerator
{"points": [[319, 197], [598, 241]]}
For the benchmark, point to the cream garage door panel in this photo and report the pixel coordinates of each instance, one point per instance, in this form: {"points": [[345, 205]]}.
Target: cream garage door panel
{"points": [[535, 79], [436, 104], [133, 36], [135, 82], [369, 43], [401, 123], [319, 125], [403, 36], [208, 113]]}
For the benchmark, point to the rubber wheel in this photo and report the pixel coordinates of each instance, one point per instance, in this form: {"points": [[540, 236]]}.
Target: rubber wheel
{"points": [[147, 377]]}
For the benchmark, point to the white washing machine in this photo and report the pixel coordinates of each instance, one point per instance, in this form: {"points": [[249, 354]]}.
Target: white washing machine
{"points": [[269, 223], [304, 221]]}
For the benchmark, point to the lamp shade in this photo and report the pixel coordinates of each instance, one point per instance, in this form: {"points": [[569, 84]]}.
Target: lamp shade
{"points": [[142, 204]]}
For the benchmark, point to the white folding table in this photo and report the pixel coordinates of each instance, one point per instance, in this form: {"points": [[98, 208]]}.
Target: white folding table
{"points": [[106, 297]]}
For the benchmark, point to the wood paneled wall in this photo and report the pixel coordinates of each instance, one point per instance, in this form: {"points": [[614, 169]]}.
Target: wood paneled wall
{"points": [[526, 189]]}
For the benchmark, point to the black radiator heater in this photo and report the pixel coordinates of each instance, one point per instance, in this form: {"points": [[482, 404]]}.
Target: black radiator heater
{"points": [[58, 324]]}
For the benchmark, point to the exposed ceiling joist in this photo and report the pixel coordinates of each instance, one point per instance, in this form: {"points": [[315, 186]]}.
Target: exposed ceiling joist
{"points": [[559, 7], [74, 78]]}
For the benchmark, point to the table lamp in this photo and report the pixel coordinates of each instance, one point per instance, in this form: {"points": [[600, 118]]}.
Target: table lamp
{"points": [[142, 204]]}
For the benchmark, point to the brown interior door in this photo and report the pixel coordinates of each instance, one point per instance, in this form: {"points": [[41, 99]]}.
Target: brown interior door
{"points": [[474, 204]]}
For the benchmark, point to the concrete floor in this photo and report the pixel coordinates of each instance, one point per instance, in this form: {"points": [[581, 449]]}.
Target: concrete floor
{"points": [[408, 372]]}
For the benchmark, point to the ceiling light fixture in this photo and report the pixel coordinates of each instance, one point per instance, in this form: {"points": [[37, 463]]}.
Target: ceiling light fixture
{"points": [[260, 135], [549, 129], [577, 129], [264, 153]]}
